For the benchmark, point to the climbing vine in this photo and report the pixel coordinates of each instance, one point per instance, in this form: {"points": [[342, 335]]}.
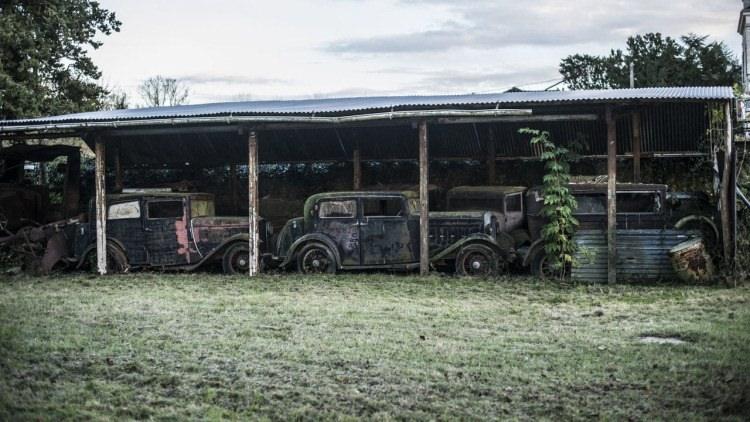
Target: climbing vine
{"points": [[559, 202]]}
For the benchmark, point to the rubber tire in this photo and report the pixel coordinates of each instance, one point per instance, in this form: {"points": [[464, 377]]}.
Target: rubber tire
{"points": [[536, 266], [117, 261], [312, 247], [465, 253], [228, 259]]}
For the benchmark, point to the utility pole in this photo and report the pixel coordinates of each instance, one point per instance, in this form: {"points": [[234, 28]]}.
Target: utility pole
{"points": [[632, 75]]}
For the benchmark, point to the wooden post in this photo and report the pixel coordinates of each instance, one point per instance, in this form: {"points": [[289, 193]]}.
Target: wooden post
{"points": [[118, 171], [636, 120], [72, 188], [43, 173], [424, 201], [233, 188], [611, 197], [101, 207], [726, 192], [491, 159], [357, 168], [252, 194]]}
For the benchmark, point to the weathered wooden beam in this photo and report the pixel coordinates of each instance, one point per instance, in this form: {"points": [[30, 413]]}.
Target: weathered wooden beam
{"points": [[424, 200], [118, 170], [357, 169], [101, 206], [636, 121], [491, 158], [611, 197], [72, 184], [727, 192], [252, 193]]}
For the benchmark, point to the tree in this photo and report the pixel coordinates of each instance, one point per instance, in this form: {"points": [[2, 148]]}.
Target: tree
{"points": [[658, 61], [159, 91], [44, 64], [116, 99]]}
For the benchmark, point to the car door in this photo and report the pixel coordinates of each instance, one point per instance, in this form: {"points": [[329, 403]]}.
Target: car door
{"points": [[384, 231], [337, 219], [165, 225]]}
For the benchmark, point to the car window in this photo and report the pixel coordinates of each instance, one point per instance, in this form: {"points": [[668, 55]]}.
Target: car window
{"points": [[638, 202], [165, 209], [202, 208], [382, 207], [124, 211], [591, 204], [338, 209], [513, 203]]}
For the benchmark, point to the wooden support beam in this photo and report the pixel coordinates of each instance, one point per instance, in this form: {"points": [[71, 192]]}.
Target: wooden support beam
{"points": [[611, 197], [118, 171], [252, 194], [728, 192], [636, 121], [491, 159], [424, 200], [101, 207], [72, 184], [357, 169]]}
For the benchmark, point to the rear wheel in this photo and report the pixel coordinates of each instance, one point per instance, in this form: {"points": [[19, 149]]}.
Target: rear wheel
{"points": [[236, 259], [476, 261], [117, 261], [316, 258]]}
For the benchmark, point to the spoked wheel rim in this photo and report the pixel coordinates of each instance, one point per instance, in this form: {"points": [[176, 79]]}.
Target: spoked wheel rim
{"points": [[477, 262], [548, 271], [239, 260], [316, 261]]}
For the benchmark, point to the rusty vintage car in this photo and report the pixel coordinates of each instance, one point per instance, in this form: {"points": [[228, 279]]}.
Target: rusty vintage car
{"points": [[650, 221], [649, 218], [380, 230], [146, 230]]}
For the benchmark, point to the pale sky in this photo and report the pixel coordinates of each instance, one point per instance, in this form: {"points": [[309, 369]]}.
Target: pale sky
{"points": [[232, 50]]}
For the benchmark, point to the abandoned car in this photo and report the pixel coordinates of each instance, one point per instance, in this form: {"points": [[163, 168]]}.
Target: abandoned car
{"points": [[146, 230], [380, 230], [648, 216]]}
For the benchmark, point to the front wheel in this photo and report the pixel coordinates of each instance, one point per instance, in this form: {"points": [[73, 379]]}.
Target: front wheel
{"points": [[542, 267], [316, 258], [476, 261]]}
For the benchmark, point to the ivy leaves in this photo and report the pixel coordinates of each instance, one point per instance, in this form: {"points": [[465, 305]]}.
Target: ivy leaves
{"points": [[559, 203]]}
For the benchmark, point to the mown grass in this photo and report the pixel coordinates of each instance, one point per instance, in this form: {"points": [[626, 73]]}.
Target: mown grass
{"points": [[368, 346]]}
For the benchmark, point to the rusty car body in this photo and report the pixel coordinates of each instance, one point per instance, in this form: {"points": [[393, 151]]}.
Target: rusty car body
{"points": [[650, 221], [148, 230], [380, 230]]}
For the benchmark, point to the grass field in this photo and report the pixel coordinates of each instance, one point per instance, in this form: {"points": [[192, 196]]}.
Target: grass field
{"points": [[368, 346]]}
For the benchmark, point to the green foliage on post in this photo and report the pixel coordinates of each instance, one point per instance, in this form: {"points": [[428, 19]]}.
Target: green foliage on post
{"points": [[559, 202]]}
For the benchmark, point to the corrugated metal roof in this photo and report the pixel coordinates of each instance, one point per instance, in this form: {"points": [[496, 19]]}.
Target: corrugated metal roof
{"points": [[332, 106]]}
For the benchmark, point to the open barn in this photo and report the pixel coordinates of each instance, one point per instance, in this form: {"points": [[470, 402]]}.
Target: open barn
{"points": [[622, 132]]}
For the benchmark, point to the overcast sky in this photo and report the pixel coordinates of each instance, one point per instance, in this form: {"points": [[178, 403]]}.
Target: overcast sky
{"points": [[231, 50]]}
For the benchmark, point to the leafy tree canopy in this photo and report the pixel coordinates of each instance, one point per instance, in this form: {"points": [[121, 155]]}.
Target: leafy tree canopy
{"points": [[44, 63], [658, 61]]}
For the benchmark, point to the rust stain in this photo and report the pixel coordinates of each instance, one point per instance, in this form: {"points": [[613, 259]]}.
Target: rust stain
{"points": [[181, 228]]}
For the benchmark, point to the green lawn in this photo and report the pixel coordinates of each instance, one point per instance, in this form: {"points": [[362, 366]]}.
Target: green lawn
{"points": [[206, 346]]}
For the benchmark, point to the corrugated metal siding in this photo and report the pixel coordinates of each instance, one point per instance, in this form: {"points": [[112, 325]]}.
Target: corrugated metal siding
{"points": [[334, 106], [641, 254]]}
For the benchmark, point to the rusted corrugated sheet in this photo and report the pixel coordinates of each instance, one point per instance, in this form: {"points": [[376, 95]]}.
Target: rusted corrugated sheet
{"points": [[641, 254]]}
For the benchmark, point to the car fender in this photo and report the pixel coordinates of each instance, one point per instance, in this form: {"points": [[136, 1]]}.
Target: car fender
{"points": [[312, 237], [476, 238], [538, 244], [700, 218]]}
